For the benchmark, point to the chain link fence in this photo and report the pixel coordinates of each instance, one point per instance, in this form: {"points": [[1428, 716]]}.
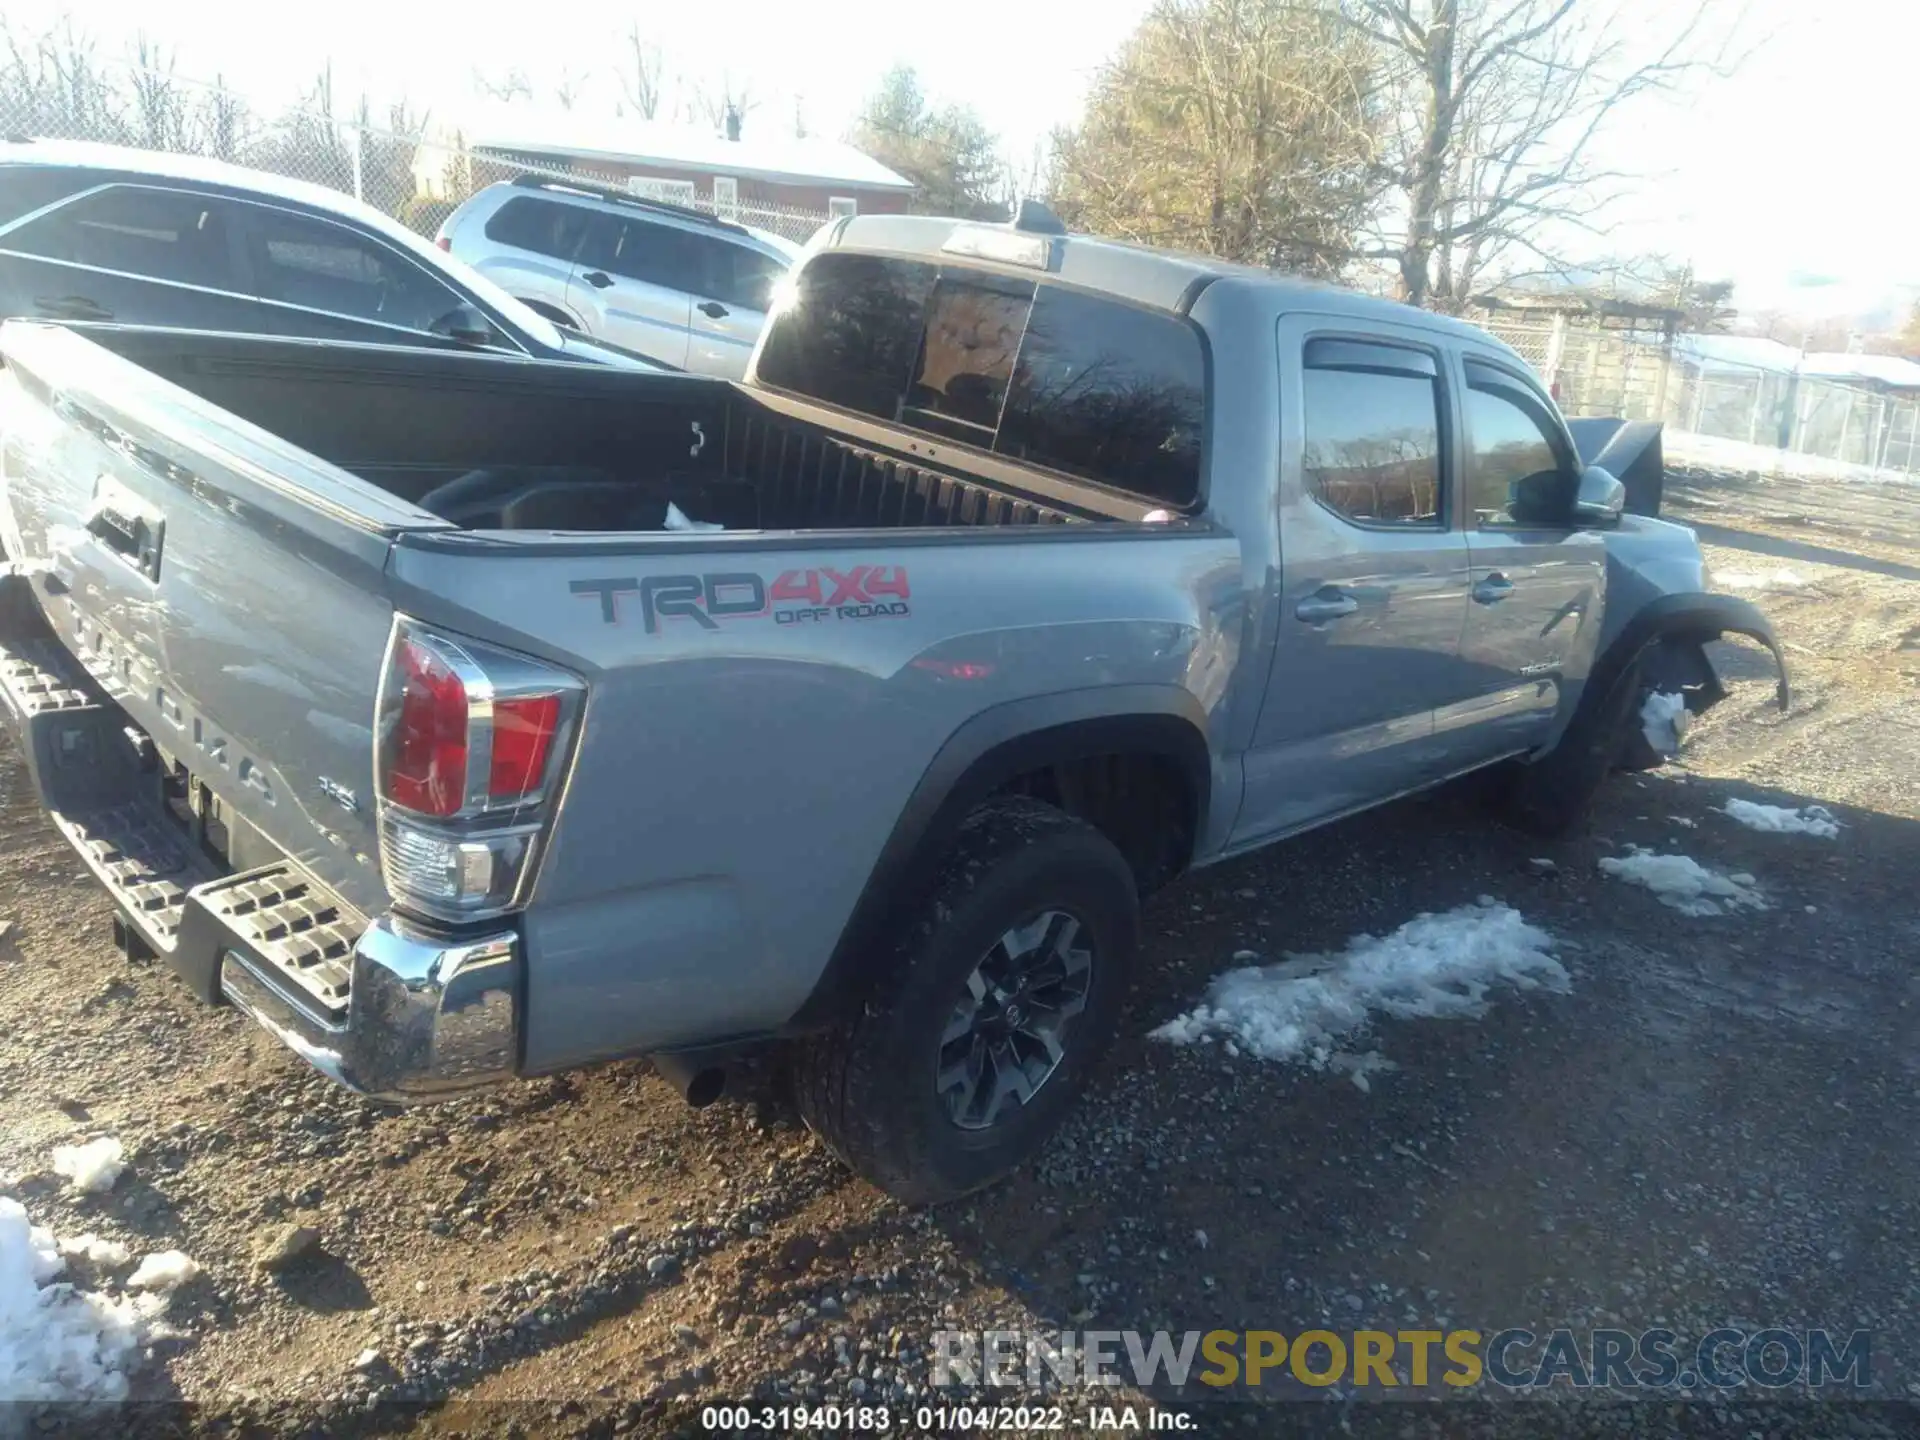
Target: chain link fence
{"points": [[391, 161], [1640, 374]]}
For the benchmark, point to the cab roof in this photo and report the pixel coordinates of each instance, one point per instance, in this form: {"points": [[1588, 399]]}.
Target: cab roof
{"points": [[1162, 279]]}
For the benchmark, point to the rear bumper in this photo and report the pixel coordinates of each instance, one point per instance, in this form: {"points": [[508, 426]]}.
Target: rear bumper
{"points": [[384, 1007], [428, 1017]]}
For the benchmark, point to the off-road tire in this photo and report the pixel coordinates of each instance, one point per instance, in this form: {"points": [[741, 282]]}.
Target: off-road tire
{"points": [[866, 1086], [1551, 796]]}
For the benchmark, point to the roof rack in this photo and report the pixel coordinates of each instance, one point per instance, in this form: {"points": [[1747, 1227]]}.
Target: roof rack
{"points": [[623, 197]]}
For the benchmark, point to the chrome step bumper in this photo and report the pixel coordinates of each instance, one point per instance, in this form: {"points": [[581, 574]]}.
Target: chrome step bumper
{"points": [[386, 1008], [430, 1017]]}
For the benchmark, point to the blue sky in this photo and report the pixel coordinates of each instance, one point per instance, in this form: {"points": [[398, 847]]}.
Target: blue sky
{"points": [[1795, 169]]}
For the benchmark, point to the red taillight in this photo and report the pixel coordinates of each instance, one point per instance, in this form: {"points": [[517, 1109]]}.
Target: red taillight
{"points": [[444, 242], [523, 730], [426, 753]]}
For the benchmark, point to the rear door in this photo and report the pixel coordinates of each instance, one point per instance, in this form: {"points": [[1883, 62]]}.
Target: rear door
{"points": [[633, 284], [731, 305], [1537, 581], [134, 255], [1373, 591]]}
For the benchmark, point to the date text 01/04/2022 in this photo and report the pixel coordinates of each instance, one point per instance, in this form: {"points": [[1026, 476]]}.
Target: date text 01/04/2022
{"points": [[938, 1419]]}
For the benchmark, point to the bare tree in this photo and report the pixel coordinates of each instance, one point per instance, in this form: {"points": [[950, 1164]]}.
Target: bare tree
{"points": [[727, 109], [53, 83], [1491, 110], [569, 89], [641, 78], [160, 110], [513, 85], [223, 123]]}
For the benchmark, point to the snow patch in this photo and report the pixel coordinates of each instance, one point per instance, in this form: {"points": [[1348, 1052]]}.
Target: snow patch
{"points": [[58, 1342], [1684, 884], [1663, 720], [1765, 582], [1782, 820], [96, 1250], [93, 1166], [163, 1270], [1307, 1007]]}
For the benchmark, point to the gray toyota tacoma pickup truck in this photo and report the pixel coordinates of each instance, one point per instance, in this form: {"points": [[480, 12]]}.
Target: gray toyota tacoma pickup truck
{"points": [[460, 717]]}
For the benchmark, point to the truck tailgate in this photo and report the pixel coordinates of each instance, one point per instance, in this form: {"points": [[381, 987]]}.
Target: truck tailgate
{"points": [[225, 590]]}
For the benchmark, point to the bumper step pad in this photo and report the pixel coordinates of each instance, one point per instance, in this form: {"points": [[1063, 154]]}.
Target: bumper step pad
{"points": [[294, 925], [147, 868]]}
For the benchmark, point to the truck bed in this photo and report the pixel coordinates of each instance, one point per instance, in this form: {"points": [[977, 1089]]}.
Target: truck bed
{"points": [[490, 443]]}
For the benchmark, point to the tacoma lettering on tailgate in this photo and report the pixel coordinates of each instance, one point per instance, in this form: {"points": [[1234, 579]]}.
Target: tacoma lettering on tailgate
{"points": [[796, 597]]}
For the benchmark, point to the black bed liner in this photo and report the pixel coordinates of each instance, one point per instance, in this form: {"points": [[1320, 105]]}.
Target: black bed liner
{"points": [[496, 443]]}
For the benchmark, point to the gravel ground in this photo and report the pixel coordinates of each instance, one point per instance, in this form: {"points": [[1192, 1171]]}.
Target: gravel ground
{"points": [[1715, 1127]]}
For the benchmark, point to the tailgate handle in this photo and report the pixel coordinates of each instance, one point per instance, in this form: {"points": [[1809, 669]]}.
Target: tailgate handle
{"points": [[133, 531]]}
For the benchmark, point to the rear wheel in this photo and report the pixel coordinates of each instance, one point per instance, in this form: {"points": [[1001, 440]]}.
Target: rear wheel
{"points": [[998, 1000]]}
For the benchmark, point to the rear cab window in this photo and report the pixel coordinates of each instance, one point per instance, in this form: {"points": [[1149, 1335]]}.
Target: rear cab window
{"points": [[1079, 383]]}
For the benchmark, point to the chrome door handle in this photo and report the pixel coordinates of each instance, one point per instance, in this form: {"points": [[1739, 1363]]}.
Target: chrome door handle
{"points": [[1327, 603], [1492, 590]]}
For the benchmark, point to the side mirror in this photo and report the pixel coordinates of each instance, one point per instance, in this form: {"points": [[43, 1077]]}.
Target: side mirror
{"points": [[1601, 498], [465, 324]]}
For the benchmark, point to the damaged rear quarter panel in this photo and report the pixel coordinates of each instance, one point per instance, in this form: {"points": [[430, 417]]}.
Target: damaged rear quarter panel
{"points": [[758, 717]]}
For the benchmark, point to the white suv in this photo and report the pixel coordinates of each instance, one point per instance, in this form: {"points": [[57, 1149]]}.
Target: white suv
{"points": [[678, 285]]}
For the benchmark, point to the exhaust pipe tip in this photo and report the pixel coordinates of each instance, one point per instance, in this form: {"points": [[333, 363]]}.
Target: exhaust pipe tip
{"points": [[697, 1078]]}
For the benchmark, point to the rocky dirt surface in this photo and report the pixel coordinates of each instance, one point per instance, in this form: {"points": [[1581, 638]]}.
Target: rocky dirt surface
{"points": [[1715, 1127]]}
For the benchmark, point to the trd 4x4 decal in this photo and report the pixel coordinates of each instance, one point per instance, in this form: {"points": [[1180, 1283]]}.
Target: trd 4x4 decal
{"points": [[796, 597]]}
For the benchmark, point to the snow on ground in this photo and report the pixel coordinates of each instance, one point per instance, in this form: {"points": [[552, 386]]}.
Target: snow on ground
{"points": [[1782, 820], [1663, 720], [1308, 1007], [1713, 452], [1767, 582], [1685, 884], [57, 1341], [97, 1251], [165, 1270], [92, 1166]]}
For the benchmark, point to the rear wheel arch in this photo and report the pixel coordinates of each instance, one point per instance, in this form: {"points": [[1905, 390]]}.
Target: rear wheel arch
{"points": [[1033, 748]]}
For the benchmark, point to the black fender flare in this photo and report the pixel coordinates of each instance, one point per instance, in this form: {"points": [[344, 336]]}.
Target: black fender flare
{"points": [[1694, 616], [982, 756]]}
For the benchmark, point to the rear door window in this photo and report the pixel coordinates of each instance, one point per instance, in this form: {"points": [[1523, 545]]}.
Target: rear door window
{"points": [[318, 265], [155, 233], [542, 226], [1371, 433], [640, 250]]}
